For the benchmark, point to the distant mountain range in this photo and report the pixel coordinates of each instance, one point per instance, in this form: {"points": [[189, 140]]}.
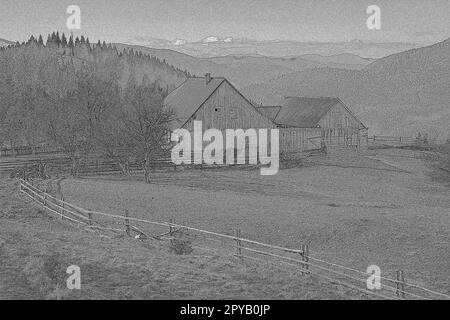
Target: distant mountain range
{"points": [[212, 46], [400, 94], [4, 43], [243, 70]]}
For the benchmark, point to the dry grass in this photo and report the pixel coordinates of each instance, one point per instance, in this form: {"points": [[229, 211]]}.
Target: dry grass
{"points": [[356, 211], [36, 249]]}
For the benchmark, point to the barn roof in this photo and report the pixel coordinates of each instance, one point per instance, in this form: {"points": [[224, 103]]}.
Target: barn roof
{"points": [[304, 112], [270, 112], [190, 95]]}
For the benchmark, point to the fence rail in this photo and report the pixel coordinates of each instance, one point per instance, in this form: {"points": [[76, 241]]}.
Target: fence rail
{"points": [[94, 164], [282, 257], [392, 139], [58, 162]]}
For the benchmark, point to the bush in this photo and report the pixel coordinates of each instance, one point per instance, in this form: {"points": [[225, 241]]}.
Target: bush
{"points": [[178, 246]]}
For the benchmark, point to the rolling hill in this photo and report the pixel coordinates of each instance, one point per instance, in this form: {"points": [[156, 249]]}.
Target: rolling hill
{"points": [[248, 69], [298, 63], [213, 46], [401, 94]]}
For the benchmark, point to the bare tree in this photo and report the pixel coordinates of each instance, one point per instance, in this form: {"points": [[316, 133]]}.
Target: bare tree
{"points": [[112, 143], [68, 130], [74, 121], [146, 123]]}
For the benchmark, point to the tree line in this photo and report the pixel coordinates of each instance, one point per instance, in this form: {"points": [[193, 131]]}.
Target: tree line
{"points": [[85, 100]]}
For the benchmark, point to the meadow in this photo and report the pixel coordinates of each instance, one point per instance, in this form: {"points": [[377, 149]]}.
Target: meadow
{"points": [[383, 208]]}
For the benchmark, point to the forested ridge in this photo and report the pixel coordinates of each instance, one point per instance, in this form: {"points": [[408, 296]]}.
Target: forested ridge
{"points": [[85, 98]]}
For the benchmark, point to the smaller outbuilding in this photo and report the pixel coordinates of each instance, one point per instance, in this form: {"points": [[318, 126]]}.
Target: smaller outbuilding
{"points": [[308, 123]]}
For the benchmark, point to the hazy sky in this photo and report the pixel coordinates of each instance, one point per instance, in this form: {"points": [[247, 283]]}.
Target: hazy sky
{"points": [[420, 21]]}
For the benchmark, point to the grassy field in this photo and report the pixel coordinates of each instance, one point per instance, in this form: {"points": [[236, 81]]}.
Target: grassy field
{"points": [[36, 249], [386, 208], [382, 208]]}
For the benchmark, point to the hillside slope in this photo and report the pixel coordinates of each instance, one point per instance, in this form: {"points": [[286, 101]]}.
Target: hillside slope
{"points": [[34, 61], [400, 94], [245, 70], [214, 46], [36, 248]]}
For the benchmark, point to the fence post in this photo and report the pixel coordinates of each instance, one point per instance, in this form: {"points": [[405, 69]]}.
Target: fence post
{"points": [[62, 206], [45, 200], [89, 216], [239, 241], [306, 257], [400, 284], [32, 192], [170, 227], [127, 223], [237, 233]]}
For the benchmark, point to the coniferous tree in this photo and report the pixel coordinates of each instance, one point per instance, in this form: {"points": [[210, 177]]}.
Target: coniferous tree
{"points": [[63, 40], [70, 43], [57, 38], [43, 79]]}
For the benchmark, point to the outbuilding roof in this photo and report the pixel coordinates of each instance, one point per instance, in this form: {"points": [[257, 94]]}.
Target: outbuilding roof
{"points": [[302, 112], [270, 112]]}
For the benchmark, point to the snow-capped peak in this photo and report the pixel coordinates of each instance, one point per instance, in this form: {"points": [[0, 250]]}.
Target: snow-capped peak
{"points": [[211, 39], [179, 42]]}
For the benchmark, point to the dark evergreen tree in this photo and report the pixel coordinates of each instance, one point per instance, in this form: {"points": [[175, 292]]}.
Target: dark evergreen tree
{"points": [[57, 39], [70, 43], [63, 40]]}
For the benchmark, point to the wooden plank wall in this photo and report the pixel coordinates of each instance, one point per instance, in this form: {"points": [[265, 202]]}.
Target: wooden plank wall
{"points": [[341, 128], [299, 139], [227, 109]]}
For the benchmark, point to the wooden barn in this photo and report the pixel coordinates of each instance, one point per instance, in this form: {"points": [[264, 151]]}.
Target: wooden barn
{"points": [[215, 102], [308, 123], [304, 123]]}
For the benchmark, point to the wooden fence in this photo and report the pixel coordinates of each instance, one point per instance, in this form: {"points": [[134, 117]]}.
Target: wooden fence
{"points": [[300, 260], [58, 162], [27, 150], [392, 140], [93, 164]]}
